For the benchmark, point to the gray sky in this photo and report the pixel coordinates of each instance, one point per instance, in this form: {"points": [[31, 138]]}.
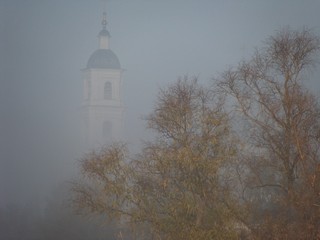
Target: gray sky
{"points": [[45, 43]]}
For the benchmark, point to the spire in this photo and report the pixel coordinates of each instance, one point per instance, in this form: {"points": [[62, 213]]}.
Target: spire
{"points": [[104, 20], [104, 16], [104, 35]]}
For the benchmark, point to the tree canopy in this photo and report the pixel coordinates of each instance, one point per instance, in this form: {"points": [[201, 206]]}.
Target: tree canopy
{"points": [[282, 137], [236, 160]]}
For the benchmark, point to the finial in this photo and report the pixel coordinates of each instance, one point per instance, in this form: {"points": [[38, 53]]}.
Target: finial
{"points": [[104, 35], [104, 20]]}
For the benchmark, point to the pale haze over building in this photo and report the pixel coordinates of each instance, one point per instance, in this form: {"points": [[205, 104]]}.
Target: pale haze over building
{"points": [[102, 94], [44, 44]]}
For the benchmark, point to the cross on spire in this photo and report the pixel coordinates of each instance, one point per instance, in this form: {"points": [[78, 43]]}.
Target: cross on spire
{"points": [[104, 20], [104, 17]]}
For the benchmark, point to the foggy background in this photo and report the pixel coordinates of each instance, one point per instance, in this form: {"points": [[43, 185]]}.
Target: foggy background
{"points": [[44, 45]]}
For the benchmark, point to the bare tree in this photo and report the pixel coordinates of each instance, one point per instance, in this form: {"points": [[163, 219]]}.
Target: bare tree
{"points": [[176, 187], [281, 141]]}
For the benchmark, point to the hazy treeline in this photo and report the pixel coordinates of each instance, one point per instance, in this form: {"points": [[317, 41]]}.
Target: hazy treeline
{"points": [[56, 220]]}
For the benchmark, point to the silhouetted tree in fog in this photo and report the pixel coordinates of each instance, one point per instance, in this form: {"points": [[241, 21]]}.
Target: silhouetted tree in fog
{"points": [[176, 187], [282, 139]]}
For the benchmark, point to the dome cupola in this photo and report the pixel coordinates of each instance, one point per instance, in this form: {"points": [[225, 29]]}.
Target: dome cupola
{"points": [[104, 57]]}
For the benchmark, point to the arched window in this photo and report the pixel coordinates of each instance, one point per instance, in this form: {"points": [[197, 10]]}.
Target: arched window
{"points": [[107, 130], [108, 90]]}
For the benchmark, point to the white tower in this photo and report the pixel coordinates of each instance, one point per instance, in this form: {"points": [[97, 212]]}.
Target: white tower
{"points": [[102, 101]]}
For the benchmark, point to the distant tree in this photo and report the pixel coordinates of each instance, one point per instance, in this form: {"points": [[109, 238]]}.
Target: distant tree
{"points": [[178, 186], [57, 221], [281, 144], [19, 222], [60, 222]]}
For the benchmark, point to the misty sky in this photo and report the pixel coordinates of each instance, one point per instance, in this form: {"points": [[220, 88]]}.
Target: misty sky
{"points": [[44, 45]]}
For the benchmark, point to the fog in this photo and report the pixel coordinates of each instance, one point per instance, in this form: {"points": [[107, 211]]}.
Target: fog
{"points": [[45, 44]]}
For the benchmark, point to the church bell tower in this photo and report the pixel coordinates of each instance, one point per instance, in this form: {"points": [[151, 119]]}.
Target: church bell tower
{"points": [[103, 108]]}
